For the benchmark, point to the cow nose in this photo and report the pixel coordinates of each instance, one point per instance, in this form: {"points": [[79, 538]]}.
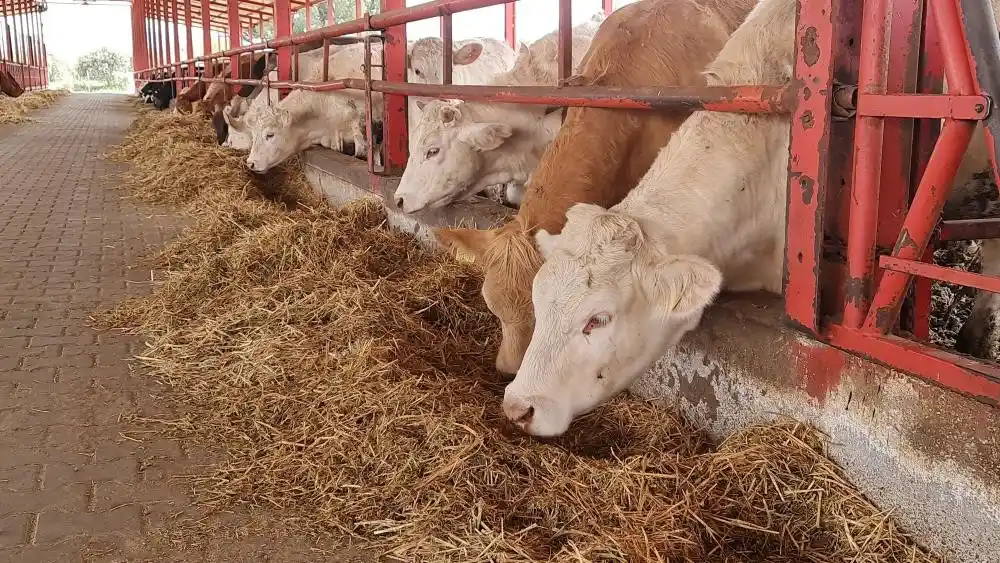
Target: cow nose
{"points": [[399, 203], [518, 411]]}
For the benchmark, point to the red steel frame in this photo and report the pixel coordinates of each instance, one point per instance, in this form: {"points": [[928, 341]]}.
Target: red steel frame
{"points": [[22, 49], [865, 195]]}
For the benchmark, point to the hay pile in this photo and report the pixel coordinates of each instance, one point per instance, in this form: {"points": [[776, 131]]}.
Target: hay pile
{"points": [[15, 110], [349, 377], [175, 159]]}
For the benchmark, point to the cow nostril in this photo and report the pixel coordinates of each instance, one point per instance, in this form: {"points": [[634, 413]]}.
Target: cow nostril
{"points": [[526, 416], [399, 203]]}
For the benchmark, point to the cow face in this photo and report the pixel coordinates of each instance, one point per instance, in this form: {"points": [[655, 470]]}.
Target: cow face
{"points": [[425, 59], [274, 138], [607, 305], [448, 157]]}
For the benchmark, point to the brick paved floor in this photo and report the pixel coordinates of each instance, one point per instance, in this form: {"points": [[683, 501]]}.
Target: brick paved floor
{"points": [[72, 486]]}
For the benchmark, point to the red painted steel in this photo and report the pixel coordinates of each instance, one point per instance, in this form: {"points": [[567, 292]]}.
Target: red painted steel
{"points": [[933, 271], [867, 162], [609, 6], [924, 106], [565, 39], [309, 19], [283, 30], [188, 30], [447, 52], [177, 43], [807, 164], [396, 136], [947, 369], [233, 11], [969, 229], [358, 11], [206, 35]]}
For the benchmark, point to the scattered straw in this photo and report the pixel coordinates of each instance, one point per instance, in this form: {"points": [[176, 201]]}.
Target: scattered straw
{"points": [[348, 376], [15, 110]]}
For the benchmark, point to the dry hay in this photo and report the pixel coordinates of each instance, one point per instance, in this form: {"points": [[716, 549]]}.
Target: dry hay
{"points": [[348, 376], [15, 110], [175, 160]]}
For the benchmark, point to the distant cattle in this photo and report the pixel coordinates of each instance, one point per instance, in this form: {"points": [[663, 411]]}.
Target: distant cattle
{"points": [[305, 119], [599, 154], [218, 94], [159, 91], [9, 85], [460, 149], [619, 287]]}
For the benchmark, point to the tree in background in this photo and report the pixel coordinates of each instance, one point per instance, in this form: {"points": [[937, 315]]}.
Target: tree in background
{"points": [[102, 69], [343, 11]]}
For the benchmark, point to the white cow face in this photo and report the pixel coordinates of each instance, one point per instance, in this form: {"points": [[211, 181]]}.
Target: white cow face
{"points": [[425, 59], [607, 305], [273, 138], [448, 157]]}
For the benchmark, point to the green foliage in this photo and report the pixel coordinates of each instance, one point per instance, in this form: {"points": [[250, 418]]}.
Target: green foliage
{"points": [[102, 69], [343, 11]]}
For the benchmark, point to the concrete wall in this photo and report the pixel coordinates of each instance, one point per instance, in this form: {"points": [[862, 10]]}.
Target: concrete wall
{"points": [[929, 455]]}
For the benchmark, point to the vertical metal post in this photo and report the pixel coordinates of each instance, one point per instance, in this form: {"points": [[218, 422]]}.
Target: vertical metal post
{"points": [[867, 165], [565, 39], [189, 31], [358, 12], [260, 25], [447, 50], [177, 43], [206, 34], [609, 6], [233, 13], [309, 18], [283, 28], [395, 140], [815, 42], [510, 24]]}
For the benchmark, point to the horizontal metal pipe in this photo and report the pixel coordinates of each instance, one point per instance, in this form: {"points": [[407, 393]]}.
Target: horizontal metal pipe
{"points": [[738, 99], [940, 273]]}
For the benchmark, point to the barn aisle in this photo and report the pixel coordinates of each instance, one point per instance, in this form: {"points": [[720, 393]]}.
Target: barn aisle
{"points": [[76, 480]]}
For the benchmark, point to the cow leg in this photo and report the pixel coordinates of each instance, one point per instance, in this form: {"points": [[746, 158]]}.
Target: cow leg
{"points": [[980, 336]]}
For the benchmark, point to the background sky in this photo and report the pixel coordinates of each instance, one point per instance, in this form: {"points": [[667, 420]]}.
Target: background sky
{"points": [[72, 29]]}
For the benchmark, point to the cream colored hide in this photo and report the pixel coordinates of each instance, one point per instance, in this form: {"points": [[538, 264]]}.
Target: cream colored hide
{"points": [[304, 119], [620, 287], [458, 149]]}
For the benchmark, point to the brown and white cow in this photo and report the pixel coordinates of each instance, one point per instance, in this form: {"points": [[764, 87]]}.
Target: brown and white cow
{"points": [[599, 155]]}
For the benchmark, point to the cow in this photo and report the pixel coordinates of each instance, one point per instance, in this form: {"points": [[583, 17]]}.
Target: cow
{"points": [[304, 118], [599, 154], [9, 85], [195, 91], [538, 64], [218, 94], [620, 286], [458, 149]]}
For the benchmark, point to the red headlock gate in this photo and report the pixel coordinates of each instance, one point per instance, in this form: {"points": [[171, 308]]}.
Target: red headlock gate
{"points": [[870, 168], [22, 43]]}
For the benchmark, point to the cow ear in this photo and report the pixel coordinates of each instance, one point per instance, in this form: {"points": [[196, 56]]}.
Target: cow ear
{"points": [[546, 243], [684, 284], [468, 54], [467, 241], [421, 104], [486, 136]]}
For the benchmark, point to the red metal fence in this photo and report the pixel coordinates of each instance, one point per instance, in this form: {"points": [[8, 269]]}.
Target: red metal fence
{"points": [[22, 42], [869, 170]]}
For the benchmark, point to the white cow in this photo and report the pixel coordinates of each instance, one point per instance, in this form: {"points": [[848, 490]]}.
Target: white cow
{"points": [[620, 287], [475, 61], [305, 119], [539, 63], [458, 149]]}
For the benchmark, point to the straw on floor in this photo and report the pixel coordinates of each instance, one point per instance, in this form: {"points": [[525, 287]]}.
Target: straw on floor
{"points": [[348, 375], [16, 110]]}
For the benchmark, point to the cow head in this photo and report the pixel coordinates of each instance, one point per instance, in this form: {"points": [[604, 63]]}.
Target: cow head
{"points": [[425, 59], [509, 261], [447, 158], [9, 85], [607, 305], [275, 136]]}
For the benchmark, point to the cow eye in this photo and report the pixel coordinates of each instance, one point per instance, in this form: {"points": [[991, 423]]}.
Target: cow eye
{"points": [[269, 136], [431, 153], [417, 72], [597, 321]]}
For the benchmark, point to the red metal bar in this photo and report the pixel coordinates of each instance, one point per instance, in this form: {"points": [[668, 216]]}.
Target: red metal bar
{"points": [[206, 35], [734, 99], [953, 48], [952, 371], [970, 229], [608, 6], [926, 106], [940, 273], [188, 32], [807, 168], [510, 24], [177, 42], [283, 30], [235, 31], [867, 165], [358, 12], [565, 39], [309, 19], [260, 27], [396, 134], [447, 50], [917, 228]]}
